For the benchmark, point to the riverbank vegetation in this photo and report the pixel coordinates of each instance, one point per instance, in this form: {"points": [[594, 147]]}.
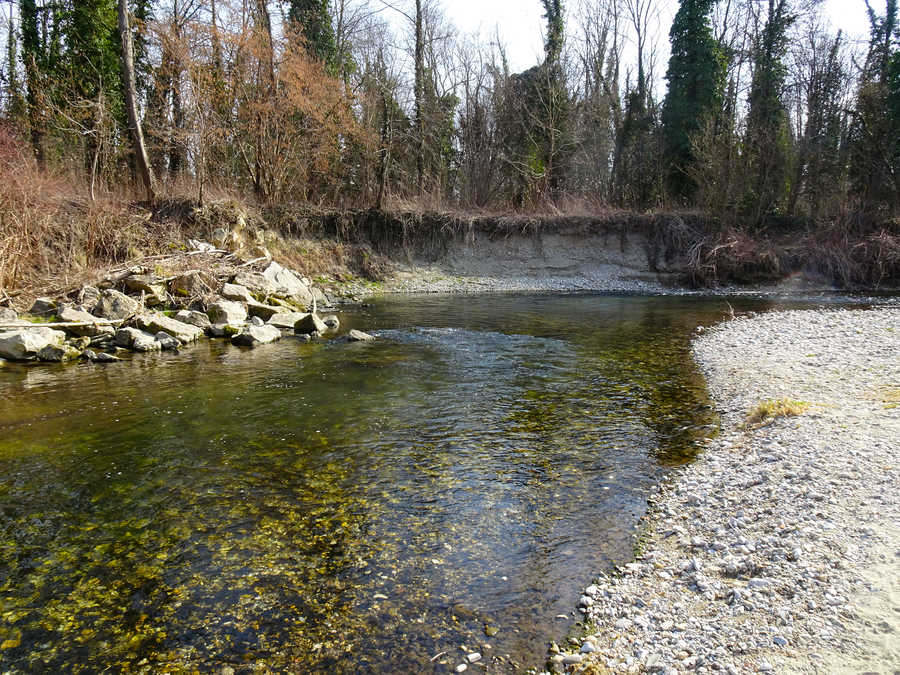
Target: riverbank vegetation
{"points": [[771, 142]]}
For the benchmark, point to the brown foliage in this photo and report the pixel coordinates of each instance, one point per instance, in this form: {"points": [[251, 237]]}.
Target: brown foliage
{"points": [[49, 237]]}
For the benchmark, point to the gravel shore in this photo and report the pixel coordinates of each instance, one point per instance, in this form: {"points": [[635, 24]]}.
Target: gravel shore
{"points": [[778, 550]]}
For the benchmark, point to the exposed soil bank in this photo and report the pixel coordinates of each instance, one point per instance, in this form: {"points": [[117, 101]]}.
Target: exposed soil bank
{"points": [[607, 251], [776, 551], [360, 252]]}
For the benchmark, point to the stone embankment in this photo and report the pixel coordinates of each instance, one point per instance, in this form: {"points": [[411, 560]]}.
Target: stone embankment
{"points": [[136, 310], [778, 550]]}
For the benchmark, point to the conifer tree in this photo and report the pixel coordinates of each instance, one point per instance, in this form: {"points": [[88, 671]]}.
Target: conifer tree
{"points": [[767, 144], [312, 21], [696, 77], [876, 131]]}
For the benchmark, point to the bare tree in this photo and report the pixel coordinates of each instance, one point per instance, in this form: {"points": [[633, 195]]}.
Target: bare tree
{"points": [[137, 134]]}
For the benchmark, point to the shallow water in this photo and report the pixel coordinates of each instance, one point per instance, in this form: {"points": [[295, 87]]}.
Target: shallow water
{"points": [[341, 508]]}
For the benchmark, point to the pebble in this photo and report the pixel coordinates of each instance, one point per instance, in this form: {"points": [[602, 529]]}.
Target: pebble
{"points": [[769, 534]]}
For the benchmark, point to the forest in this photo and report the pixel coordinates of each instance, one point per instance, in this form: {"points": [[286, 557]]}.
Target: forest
{"points": [[764, 117]]}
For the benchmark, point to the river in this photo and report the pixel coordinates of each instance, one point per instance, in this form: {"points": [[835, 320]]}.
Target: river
{"points": [[333, 507]]}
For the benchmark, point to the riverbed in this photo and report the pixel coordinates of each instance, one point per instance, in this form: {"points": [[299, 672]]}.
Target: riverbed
{"points": [[435, 498]]}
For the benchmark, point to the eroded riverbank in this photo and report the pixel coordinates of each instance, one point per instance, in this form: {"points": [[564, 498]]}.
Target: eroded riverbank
{"points": [[776, 551]]}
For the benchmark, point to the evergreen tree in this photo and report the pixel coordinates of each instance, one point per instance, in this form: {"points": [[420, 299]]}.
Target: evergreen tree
{"points": [[876, 131], [767, 144], [696, 77], [553, 134], [311, 19], [16, 102]]}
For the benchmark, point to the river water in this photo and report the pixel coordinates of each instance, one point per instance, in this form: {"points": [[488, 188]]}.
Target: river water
{"points": [[332, 507]]}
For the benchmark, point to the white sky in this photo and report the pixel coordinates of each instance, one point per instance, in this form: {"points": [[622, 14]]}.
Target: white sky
{"points": [[520, 23]]}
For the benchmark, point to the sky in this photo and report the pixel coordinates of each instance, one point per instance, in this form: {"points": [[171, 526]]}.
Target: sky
{"points": [[520, 22]]}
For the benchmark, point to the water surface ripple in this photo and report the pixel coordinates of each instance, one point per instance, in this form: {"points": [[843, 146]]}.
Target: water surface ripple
{"points": [[335, 507]]}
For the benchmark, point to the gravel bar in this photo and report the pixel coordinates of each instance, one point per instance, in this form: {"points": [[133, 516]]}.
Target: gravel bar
{"points": [[778, 550]]}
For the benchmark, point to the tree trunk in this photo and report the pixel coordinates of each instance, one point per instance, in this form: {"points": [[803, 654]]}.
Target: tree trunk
{"points": [[420, 95], [137, 134]]}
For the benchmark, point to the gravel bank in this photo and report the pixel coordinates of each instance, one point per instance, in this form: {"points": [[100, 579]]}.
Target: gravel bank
{"points": [[779, 549]]}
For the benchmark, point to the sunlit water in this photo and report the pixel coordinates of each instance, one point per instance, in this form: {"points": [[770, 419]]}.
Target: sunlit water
{"points": [[341, 508]]}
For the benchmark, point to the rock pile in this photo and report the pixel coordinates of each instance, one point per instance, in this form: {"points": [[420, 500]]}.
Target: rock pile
{"points": [[137, 310]]}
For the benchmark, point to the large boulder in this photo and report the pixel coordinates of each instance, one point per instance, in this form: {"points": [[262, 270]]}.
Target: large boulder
{"points": [[198, 319], [153, 290], [288, 284], [167, 342], [310, 323], [88, 296], [58, 353], [8, 317], [154, 323], [43, 307], [188, 285], [136, 339], [25, 344], [92, 326], [320, 297], [223, 330], [254, 283], [236, 292], [264, 312], [227, 311], [256, 335], [286, 320], [115, 305]]}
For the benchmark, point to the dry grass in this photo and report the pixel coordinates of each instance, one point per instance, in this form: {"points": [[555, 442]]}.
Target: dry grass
{"points": [[773, 409], [891, 397], [52, 236]]}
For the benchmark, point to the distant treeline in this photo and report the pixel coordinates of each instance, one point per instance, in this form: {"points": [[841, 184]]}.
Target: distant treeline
{"points": [[768, 116]]}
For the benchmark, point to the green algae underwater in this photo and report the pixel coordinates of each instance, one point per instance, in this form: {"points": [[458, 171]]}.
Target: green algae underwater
{"points": [[326, 507]]}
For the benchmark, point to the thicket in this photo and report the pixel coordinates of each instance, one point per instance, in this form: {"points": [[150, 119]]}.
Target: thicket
{"points": [[771, 123]]}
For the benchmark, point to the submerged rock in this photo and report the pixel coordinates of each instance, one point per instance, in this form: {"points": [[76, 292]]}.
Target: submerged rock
{"points": [[286, 320], [359, 336], [254, 335], [99, 357], [25, 344], [115, 305], [310, 323]]}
